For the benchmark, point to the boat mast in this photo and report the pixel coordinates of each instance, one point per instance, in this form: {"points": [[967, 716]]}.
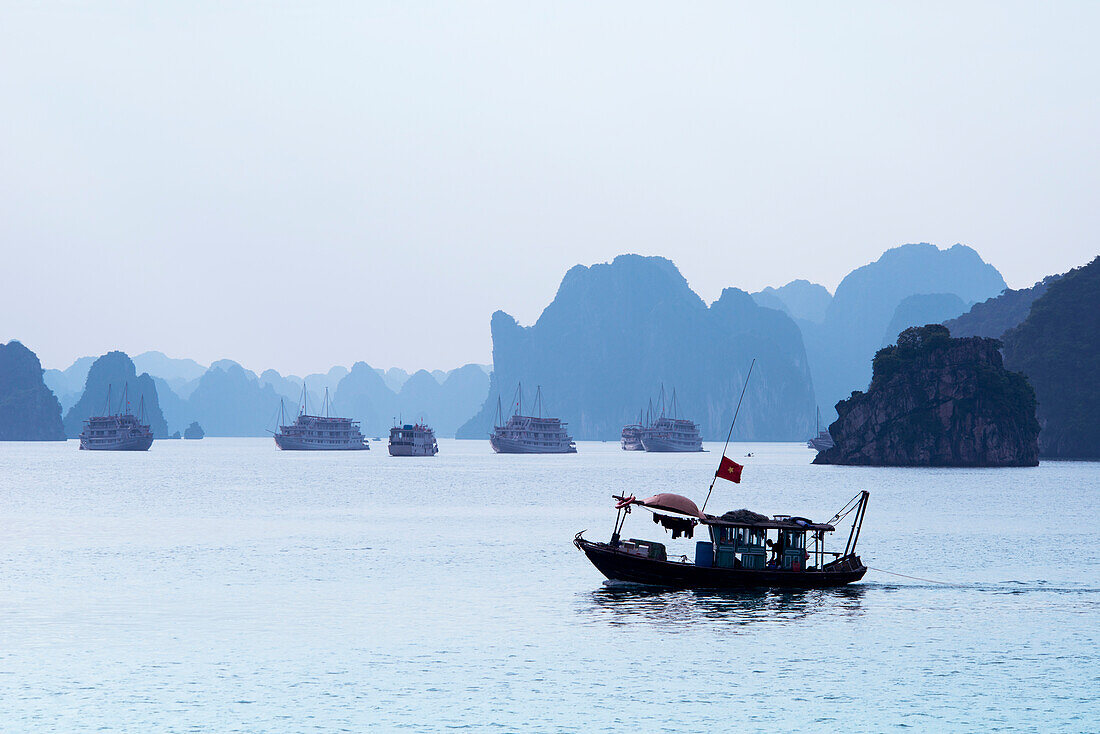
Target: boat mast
{"points": [[518, 399], [125, 399], [304, 406], [730, 434], [107, 410], [538, 400], [325, 406], [857, 523]]}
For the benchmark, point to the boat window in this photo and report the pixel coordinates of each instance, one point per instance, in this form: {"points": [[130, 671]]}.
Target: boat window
{"points": [[795, 539]]}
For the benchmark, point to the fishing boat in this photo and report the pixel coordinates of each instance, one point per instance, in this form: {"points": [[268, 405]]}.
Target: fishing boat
{"points": [[670, 433], [823, 440], [530, 434], [413, 440], [318, 432], [121, 431], [745, 549]]}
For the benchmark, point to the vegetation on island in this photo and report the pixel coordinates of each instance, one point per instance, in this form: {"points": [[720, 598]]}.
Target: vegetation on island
{"points": [[937, 401]]}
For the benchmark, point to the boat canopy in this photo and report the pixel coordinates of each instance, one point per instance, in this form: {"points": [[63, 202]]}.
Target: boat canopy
{"points": [[672, 503], [737, 518]]}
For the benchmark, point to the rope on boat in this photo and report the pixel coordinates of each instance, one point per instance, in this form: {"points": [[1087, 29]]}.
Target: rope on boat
{"points": [[915, 578]]}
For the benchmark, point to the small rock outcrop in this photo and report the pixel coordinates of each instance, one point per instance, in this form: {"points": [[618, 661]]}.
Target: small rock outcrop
{"points": [[28, 410], [194, 431], [937, 401]]}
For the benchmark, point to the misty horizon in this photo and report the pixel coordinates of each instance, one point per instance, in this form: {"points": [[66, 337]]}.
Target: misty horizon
{"points": [[310, 171]]}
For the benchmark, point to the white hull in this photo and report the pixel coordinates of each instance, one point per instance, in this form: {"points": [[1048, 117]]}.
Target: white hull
{"points": [[410, 450], [509, 446]]}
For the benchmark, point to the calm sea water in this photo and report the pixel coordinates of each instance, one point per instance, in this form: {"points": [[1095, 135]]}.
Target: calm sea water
{"points": [[222, 585]]}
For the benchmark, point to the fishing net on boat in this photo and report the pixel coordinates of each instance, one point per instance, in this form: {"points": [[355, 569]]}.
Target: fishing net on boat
{"points": [[744, 515]]}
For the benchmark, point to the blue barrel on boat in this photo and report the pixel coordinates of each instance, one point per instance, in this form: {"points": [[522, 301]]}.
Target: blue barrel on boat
{"points": [[704, 553]]}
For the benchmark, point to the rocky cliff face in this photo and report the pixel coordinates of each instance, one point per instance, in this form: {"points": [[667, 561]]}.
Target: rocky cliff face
{"points": [[867, 300], [365, 396], [115, 371], [615, 332], [231, 401], [28, 410], [937, 401], [1058, 347], [800, 299], [997, 315]]}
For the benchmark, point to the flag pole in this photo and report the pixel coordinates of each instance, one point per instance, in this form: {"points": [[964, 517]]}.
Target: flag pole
{"points": [[730, 434]]}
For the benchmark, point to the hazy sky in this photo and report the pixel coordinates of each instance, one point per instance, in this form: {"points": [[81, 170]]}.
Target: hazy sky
{"points": [[300, 185]]}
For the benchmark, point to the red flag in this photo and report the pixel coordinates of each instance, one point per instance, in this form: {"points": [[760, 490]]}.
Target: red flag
{"points": [[729, 469]]}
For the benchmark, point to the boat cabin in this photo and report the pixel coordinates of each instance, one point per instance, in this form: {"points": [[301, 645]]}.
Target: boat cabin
{"points": [[779, 543]]}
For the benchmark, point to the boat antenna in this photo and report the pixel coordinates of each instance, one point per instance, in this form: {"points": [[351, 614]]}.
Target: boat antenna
{"points": [[730, 434]]}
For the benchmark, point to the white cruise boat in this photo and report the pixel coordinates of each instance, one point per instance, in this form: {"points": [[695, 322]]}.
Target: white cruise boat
{"points": [[527, 434], [122, 431], [318, 432], [631, 437], [671, 434], [413, 440]]}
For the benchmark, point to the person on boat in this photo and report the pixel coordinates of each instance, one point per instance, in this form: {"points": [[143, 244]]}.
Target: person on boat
{"points": [[777, 550]]}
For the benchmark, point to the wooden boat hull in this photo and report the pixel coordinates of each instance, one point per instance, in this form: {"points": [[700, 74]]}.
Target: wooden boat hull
{"points": [[618, 565]]}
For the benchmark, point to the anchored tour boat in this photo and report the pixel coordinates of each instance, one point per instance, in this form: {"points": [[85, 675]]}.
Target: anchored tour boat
{"points": [[526, 434], [823, 440], [122, 431], [413, 440], [318, 432], [665, 435], [631, 439]]}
